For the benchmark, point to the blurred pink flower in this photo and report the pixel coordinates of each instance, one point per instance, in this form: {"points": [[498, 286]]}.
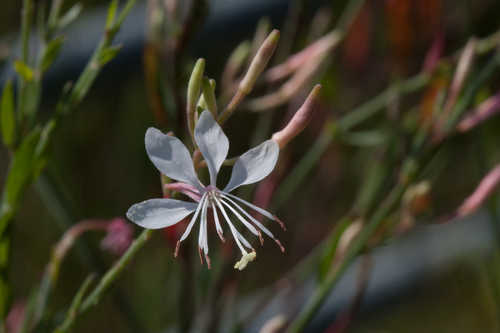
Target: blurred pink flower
{"points": [[119, 236], [15, 317]]}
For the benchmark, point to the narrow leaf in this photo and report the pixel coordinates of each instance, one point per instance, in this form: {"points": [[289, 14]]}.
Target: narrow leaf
{"points": [[8, 116], [70, 16], [108, 54], [20, 171], [24, 70], [111, 14], [51, 52]]}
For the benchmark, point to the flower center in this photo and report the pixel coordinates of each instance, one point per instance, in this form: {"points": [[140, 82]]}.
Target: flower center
{"points": [[212, 194]]}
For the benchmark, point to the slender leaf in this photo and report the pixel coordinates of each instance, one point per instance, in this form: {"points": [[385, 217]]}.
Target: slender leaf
{"points": [[51, 53], [70, 16], [108, 54], [111, 14], [19, 176], [8, 115], [24, 70]]}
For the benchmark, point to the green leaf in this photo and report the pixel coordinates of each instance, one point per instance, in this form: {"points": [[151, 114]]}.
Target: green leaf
{"points": [[108, 54], [111, 14], [24, 70], [51, 52], [70, 16], [8, 116], [20, 172]]}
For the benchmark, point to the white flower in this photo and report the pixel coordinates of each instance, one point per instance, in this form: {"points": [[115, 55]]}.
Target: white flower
{"points": [[172, 158]]}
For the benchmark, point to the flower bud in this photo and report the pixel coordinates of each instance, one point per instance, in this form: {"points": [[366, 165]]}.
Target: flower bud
{"points": [[485, 188], [193, 92], [485, 110], [208, 96], [299, 120], [259, 62]]}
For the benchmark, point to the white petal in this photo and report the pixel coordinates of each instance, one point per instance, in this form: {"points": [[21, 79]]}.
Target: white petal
{"points": [[212, 142], [170, 156], [160, 213], [193, 219], [254, 165]]}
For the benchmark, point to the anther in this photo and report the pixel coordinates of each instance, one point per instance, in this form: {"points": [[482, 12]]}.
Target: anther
{"points": [[207, 259], [177, 246], [279, 244], [282, 225]]}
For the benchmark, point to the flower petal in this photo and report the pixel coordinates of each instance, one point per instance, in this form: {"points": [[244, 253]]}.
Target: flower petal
{"points": [[212, 142], [254, 165], [160, 213], [170, 156]]}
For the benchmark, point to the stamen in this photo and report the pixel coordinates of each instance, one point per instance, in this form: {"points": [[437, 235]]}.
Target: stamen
{"points": [[258, 209], [257, 223], [201, 257], [177, 246], [279, 244], [207, 259], [231, 227], [193, 219], [217, 223], [245, 222], [202, 238], [281, 223]]}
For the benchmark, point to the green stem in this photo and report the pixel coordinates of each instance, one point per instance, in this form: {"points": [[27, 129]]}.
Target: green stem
{"points": [[356, 247], [115, 271], [75, 304]]}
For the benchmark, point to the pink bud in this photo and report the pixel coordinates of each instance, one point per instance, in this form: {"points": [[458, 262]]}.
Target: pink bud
{"points": [[299, 120], [485, 188], [14, 320], [485, 110]]}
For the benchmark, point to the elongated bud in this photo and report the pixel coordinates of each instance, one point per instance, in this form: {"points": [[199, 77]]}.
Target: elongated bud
{"points": [[463, 67], [256, 67], [260, 61], [299, 120], [485, 188], [313, 52], [208, 87], [193, 93], [485, 110]]}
